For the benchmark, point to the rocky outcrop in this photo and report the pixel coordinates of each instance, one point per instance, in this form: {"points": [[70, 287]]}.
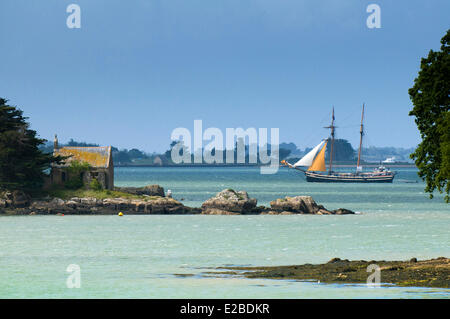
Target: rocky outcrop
{"points": [[297, 204], [342, 211], [230, 202], [226, 202], [302, 205], [17, 199], [108, 206], [150, 190]]}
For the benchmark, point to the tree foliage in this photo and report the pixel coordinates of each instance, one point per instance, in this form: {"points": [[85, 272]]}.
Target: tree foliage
{"points": [[72, 142], [22, 163], [430, 97]]}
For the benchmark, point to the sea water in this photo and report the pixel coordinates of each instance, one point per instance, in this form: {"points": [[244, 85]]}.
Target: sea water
{"points": [[173, 256]]}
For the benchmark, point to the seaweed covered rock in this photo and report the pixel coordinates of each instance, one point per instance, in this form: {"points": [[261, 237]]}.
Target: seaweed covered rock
{"points": [[230, 202], [417, 273]]}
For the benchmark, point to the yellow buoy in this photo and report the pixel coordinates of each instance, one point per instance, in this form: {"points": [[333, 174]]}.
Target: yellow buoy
{"points": [[120, 214]]}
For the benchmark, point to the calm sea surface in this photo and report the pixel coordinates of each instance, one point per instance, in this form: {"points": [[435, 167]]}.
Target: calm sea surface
{"points": [[142, 256]]}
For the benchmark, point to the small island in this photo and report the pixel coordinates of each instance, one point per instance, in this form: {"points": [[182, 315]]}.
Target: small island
{"points": [[150, 199]]}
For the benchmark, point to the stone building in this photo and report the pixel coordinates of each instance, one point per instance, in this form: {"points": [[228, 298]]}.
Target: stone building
{"points": [[99, 159]]}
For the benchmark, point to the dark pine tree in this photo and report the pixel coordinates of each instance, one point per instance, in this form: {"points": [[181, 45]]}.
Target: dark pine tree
{"points": [[22, 163]]}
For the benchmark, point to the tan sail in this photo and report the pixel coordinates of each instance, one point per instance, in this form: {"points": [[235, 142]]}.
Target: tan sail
{"points": [[308, 159], [319, 162]]}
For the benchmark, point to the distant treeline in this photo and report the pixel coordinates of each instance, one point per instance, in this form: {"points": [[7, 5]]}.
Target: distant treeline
{"points": [[342, 152]]}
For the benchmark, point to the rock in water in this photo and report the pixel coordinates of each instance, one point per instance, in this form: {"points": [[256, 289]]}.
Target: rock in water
{"points": [[297, 204], [230, 202], [342, 211], [304, 205]]}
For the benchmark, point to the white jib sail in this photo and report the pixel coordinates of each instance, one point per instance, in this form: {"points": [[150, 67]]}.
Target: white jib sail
{"points": [[308, 158]]}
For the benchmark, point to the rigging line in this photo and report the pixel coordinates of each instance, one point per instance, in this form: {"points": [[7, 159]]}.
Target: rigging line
{"points": [[354, 111], [308, 139], [368, 141]]}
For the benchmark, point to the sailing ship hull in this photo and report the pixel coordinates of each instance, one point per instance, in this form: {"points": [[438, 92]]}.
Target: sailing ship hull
{"points": [[349, 178]]}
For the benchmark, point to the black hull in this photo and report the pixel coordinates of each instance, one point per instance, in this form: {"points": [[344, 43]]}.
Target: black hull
{"points": [[353, 178]]}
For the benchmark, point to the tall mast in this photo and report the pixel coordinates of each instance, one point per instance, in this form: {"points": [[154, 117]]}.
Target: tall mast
{"points": [[332, 127], [361, 132]]}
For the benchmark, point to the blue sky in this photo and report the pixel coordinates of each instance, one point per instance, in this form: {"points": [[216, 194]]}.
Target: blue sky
{"points": [[138, 69]]}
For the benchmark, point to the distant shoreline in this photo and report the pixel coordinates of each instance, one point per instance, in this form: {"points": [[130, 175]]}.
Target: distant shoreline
{"points": [[400, 165], [377, 165]]}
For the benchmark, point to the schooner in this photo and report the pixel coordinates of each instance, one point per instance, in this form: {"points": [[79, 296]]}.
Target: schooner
{"points": [[316, 169]]}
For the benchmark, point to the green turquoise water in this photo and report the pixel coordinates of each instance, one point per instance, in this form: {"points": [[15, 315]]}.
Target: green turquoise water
{"points": [[139, 256]]}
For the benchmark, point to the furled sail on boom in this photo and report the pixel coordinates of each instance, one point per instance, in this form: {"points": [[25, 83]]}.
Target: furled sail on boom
{"points": [[308, 159]]}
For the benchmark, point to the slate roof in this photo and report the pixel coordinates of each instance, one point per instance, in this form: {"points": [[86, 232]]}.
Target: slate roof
{"points": [[97, 157]]}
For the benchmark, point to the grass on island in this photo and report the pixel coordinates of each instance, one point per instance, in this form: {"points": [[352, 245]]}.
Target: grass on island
{"points": [[239, 196], [65, 194]]}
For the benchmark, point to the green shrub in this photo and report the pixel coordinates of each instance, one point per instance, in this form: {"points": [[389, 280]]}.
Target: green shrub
{"points": [[95, 185], [76, 170], [74, 183]]}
